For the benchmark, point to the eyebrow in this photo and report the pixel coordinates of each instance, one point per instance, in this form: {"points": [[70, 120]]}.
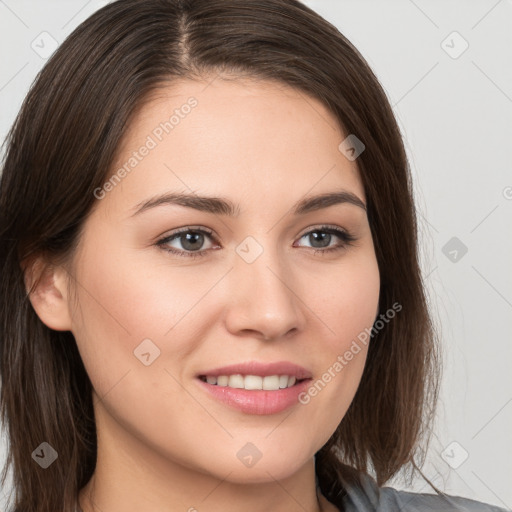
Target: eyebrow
{"points": [[222, 206]]}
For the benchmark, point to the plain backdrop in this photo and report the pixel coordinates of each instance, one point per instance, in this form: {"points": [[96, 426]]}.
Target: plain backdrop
{"points": [[447, 69]]}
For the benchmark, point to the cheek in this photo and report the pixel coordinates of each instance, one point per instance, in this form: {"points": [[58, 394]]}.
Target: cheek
{"points": [[349, 301], [358, 309], [126, 294], [346, 314], [123, 302]]}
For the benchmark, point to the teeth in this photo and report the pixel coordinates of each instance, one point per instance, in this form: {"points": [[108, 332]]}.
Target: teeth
{"points": [[271, 382], [236, 381], [252, 382], [222, 380], [283, 381], [249, 382]]}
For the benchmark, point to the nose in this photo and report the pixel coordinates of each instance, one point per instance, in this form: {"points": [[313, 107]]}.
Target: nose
{"points": [[262, 300]]}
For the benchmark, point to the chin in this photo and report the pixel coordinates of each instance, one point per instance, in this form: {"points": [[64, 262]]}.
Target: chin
{"points": [[277, 465]]}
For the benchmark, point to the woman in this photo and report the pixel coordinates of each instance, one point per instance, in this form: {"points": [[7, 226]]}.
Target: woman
{"points": [[211, 290]]}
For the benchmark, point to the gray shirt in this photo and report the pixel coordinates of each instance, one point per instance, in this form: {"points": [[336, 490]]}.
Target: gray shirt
{"points": [[371, 498]]}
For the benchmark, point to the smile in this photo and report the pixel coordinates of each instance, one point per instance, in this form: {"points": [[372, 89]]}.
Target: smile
{"points": [[250, 382]]}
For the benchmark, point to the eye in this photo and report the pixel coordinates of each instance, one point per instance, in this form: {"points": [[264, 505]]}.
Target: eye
{"points": [[321, 238], [191, 240]]}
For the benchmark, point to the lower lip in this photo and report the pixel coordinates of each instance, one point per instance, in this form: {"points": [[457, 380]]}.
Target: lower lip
{"points": [[257, 401]]}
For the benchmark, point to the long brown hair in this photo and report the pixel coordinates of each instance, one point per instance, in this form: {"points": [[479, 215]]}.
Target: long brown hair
{"points": [[62, 147]]}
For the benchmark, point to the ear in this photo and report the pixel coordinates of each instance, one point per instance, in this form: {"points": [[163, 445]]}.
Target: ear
{"points": [[46, 287]]}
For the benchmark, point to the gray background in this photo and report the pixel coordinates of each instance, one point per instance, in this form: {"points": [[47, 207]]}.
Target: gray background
{"points": [[454, 108]]}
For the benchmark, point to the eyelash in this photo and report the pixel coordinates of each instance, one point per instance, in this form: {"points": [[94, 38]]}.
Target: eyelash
{"points": [[346, 237]]}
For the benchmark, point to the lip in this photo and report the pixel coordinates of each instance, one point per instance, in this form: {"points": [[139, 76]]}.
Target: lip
{"points": [[258, 401], [261, 369]]}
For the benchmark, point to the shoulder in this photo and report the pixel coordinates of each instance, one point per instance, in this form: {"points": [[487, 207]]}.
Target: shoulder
{"points": [[369, 497]]}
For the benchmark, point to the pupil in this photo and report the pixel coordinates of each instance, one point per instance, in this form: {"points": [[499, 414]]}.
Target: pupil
{"points": [[323, 237], [191, 238]]}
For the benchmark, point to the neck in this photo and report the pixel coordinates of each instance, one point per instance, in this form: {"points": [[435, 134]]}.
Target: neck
{"points": [[131, 476]]}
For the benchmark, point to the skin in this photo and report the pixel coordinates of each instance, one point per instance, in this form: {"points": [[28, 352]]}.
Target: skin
{"points": [[163, 443]]}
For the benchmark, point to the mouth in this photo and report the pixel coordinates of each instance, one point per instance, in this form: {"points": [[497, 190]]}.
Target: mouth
{"points": [[256, 387], [253, 382]]}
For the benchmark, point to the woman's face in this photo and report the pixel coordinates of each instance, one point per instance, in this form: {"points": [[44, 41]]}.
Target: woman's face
{"points": [[241, 287]]}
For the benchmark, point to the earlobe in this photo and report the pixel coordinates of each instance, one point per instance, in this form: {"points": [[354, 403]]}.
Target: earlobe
{"points": [[46, 288]]}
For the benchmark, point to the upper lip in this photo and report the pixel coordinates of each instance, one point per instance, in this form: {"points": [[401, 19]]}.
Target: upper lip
{"points": [[261, 369]]}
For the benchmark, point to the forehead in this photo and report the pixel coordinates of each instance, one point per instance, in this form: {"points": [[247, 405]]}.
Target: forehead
{"points": [[232, 137]]}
